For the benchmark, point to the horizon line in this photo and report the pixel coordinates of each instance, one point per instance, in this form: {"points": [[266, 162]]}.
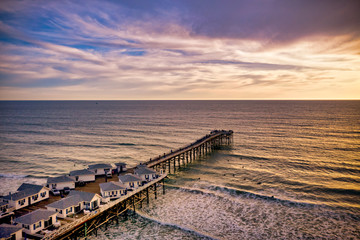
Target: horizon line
{"points": [[244, 99]]}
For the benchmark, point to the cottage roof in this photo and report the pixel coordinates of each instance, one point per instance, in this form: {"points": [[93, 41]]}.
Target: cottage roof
{"points": [[120, 164], [60, 179], [144, 170], [129, 178], [25, 190], [35, 216], [27, 186], [85, 196], [66, 202], [81, 172], [99, 165], [110, 186], [6, 230]]}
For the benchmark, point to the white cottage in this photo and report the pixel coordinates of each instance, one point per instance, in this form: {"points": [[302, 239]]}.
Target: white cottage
{"points": [[75, 203], [83, 175], [26, 195], [112, 190], [145, 173], [91, 201], [130, 181], [37, 220], [120, 167], [100, 169], [12, 232], [60, 183]]}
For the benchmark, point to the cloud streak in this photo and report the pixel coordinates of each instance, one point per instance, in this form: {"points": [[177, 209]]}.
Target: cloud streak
{"points": [[179, 50]]}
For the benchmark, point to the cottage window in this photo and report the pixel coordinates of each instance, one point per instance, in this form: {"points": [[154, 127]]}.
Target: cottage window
{"points": [[68, 210], [37, 225], [21, 202], [35, 197], [43, 194], [95, 170], [26, 226], [60, 211]]}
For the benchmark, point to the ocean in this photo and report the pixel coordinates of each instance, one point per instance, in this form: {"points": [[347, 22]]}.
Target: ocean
{"points": [[292, 172]]}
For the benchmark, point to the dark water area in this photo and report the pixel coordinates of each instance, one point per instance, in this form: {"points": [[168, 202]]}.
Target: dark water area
{"points": [[293, 171]]}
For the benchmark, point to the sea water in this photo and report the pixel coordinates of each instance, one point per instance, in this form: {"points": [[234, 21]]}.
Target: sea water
{"points": [[292, 172]]}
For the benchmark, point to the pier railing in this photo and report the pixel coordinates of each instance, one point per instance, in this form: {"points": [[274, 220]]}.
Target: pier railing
{"points": [[200, 146]]}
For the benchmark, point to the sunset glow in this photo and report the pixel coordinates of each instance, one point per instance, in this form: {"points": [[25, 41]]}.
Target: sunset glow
{"points": [[55, 50]]}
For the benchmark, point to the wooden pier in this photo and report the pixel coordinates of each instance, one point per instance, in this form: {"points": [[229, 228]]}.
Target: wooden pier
{"points": [[192, 151], [110, 212]]}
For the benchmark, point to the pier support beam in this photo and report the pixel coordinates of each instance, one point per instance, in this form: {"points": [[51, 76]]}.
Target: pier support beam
{"points": [[155, 191], [163, 183], [147, 195]]}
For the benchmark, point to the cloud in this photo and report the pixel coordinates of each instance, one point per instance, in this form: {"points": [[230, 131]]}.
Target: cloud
{"points": [[178, 50]]}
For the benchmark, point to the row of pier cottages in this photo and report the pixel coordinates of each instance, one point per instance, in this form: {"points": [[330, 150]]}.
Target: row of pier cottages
{"points": [[113, 190], [83, 175], [26, 195], [74, 203]]}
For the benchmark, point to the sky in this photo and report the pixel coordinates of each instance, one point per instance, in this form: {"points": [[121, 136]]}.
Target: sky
{"points": [[174, 50]]}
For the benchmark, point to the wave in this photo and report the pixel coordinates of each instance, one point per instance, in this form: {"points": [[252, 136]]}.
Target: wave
{"points": [[126, 144], [246, 157], [226, 192], [188, 229], [11, 175], [53, 143]]}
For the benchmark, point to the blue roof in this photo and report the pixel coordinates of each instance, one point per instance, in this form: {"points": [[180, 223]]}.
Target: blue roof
{"points": [[35, 216], [144, 170], [81, 172], [110, 186], [99, 165], [59, 179], [85, 196], [66, 202], [129, 178], [6, 230], [25, 190]]}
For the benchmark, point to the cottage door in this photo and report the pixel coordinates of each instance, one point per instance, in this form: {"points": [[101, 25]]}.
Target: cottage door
{"points": [[29, 200], [77, 208]]}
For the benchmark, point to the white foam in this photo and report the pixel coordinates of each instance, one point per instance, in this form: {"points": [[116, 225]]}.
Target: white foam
{"points": [[249, 218], [11, 182], [11, 175]]}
